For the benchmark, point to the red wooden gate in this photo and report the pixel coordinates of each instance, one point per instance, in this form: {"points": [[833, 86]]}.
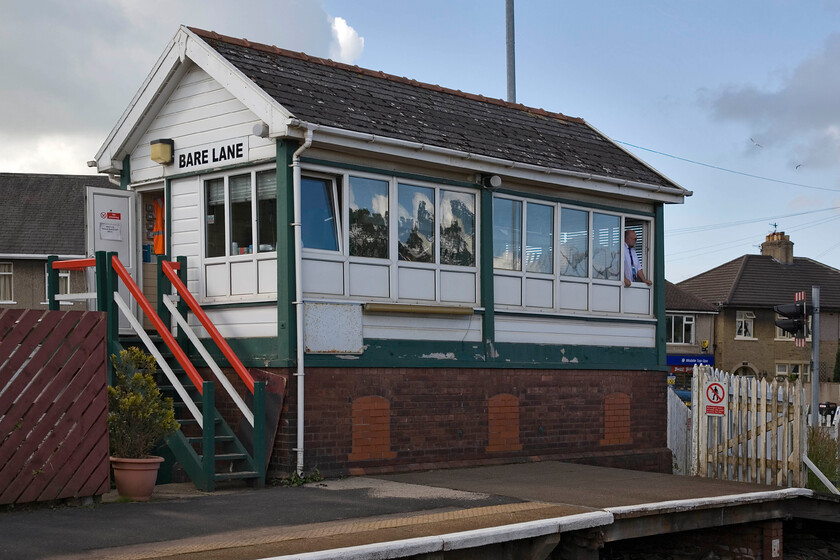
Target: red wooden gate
{"points": [[53, 405]]}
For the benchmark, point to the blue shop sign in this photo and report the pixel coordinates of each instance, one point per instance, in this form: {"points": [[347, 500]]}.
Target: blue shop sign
{"points": [[704, 360]]}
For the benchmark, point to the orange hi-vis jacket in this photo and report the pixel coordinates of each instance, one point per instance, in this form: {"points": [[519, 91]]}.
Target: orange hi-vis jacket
{"points": [[157, 234]]}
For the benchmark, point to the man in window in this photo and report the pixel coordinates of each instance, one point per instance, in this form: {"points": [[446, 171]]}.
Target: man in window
{"points": [[632, 266]]}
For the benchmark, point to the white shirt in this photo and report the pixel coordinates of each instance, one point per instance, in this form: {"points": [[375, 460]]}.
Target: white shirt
{"points": [[632, 265]]}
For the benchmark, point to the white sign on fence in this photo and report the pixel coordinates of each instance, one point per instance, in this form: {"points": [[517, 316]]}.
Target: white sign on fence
{"points": [[715, 398]]}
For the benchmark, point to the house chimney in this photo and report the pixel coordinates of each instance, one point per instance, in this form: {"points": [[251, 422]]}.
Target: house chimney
{"points": [[779, 246]]}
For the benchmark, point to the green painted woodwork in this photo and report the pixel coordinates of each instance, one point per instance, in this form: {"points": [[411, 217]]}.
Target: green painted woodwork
{"points": [[413, 353], [285, 348], [488, 320], [52, 283], [208, 434], [581, 204], [659, 283], [125, 174]]}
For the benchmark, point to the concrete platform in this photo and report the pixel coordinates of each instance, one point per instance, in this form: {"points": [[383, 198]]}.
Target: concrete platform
{"points": [[396, 515]]}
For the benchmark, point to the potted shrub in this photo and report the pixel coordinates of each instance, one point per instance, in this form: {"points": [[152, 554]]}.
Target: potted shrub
{"points": [[138, 418]]}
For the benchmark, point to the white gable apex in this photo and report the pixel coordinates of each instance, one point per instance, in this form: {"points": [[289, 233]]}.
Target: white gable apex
{"points": [[185, 49]]}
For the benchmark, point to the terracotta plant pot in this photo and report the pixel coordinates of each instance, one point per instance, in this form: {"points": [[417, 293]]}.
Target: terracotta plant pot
{"points": [[135, 478]]}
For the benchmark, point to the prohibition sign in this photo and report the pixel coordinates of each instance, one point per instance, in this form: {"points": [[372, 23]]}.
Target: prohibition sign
{"points": [[715, 399], [715, 393]]}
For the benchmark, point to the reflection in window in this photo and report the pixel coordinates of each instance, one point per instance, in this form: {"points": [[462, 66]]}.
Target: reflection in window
{"points": [[507, 234], [539, 239], [606, 246], [318, 215], [368, 218], [457, 228], [215, 218], [240, 213], [416, 226], [574, 243], [266, 211]]}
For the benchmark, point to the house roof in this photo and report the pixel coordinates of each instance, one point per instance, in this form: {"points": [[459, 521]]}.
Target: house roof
{"points": [[44, 214], [677, 299], [760, 281], [337, 95]]}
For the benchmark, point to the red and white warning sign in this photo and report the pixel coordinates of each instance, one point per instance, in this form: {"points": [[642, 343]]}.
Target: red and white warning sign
{"points": [[715, 398]]}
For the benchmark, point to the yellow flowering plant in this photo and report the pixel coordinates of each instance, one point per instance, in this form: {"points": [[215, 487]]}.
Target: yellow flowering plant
{"points": [[139, 416]]}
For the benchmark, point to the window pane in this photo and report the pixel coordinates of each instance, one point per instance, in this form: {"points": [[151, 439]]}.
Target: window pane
{"points": [[574, 242], [606, 241], [688, 330], [669, 328], [267, 211], [215, 212], [539, 239], [64, 282], [240, 213], [457, 228], [318, 214], [416, 227], [368, 218], [507, 234], [678, 329]]}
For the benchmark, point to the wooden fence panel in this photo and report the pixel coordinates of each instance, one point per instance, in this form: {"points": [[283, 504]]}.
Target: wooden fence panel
{"points": [[760, 439], [53, 405]]}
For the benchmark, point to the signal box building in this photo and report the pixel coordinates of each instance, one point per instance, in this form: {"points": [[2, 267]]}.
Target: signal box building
{"points": [[450, 290]]}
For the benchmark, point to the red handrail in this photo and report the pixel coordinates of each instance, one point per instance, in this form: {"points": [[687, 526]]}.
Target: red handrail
{"points": [[169, 270], [158, 324], [74, 264]]}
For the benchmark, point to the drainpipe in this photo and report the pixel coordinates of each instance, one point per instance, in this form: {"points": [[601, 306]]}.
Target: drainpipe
{"points": [[298, 303]]}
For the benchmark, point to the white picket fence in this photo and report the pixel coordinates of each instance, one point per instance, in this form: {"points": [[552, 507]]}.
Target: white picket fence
{"points": [[760, 439]]}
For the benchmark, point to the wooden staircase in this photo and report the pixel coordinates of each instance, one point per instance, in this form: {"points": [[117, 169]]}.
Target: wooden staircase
{"points": [[212, 452]]}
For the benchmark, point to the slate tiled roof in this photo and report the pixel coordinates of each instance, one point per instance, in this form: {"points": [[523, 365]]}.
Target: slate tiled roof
{"points": [[44, 214], [352, 98], [760, 281], [677, 299]]}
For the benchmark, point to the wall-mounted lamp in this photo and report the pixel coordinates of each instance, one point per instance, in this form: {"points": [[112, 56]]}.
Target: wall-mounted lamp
{"points": [[261, 130], [162, 150], [491, 181]]}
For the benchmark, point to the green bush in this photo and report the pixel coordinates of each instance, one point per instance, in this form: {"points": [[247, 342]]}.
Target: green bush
{"points": [[822, 450], [138, 415]]}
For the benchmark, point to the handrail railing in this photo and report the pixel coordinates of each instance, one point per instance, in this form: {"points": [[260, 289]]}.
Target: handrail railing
{"points": [[169, 269], [162, 330]]}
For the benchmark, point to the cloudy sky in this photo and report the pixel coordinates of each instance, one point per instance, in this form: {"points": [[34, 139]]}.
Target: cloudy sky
{"points": [[738, 102]]}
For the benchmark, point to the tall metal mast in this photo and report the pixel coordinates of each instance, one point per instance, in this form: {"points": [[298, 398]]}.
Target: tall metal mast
{"points": [[511, 57]]}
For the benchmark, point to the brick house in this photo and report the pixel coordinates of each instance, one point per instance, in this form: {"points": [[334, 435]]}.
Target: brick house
{"points": [[745, 290], [452, 280], [689, 333], [42, 215]]}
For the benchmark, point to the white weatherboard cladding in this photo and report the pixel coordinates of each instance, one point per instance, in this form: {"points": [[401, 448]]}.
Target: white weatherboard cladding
{"points": [[551, 330], [185, 221], [409, 326], [242, 322], [199, 112]]}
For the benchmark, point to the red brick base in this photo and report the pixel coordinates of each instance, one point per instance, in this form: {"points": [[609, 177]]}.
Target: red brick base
{"points": [[369, 420]]}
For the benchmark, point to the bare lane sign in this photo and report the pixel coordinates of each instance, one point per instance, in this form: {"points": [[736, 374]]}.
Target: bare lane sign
{"points": [[715, 393]]}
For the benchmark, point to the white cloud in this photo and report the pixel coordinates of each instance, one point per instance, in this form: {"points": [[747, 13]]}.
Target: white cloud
{"points": [[799, 115], [66, 89], [347, 45]]}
